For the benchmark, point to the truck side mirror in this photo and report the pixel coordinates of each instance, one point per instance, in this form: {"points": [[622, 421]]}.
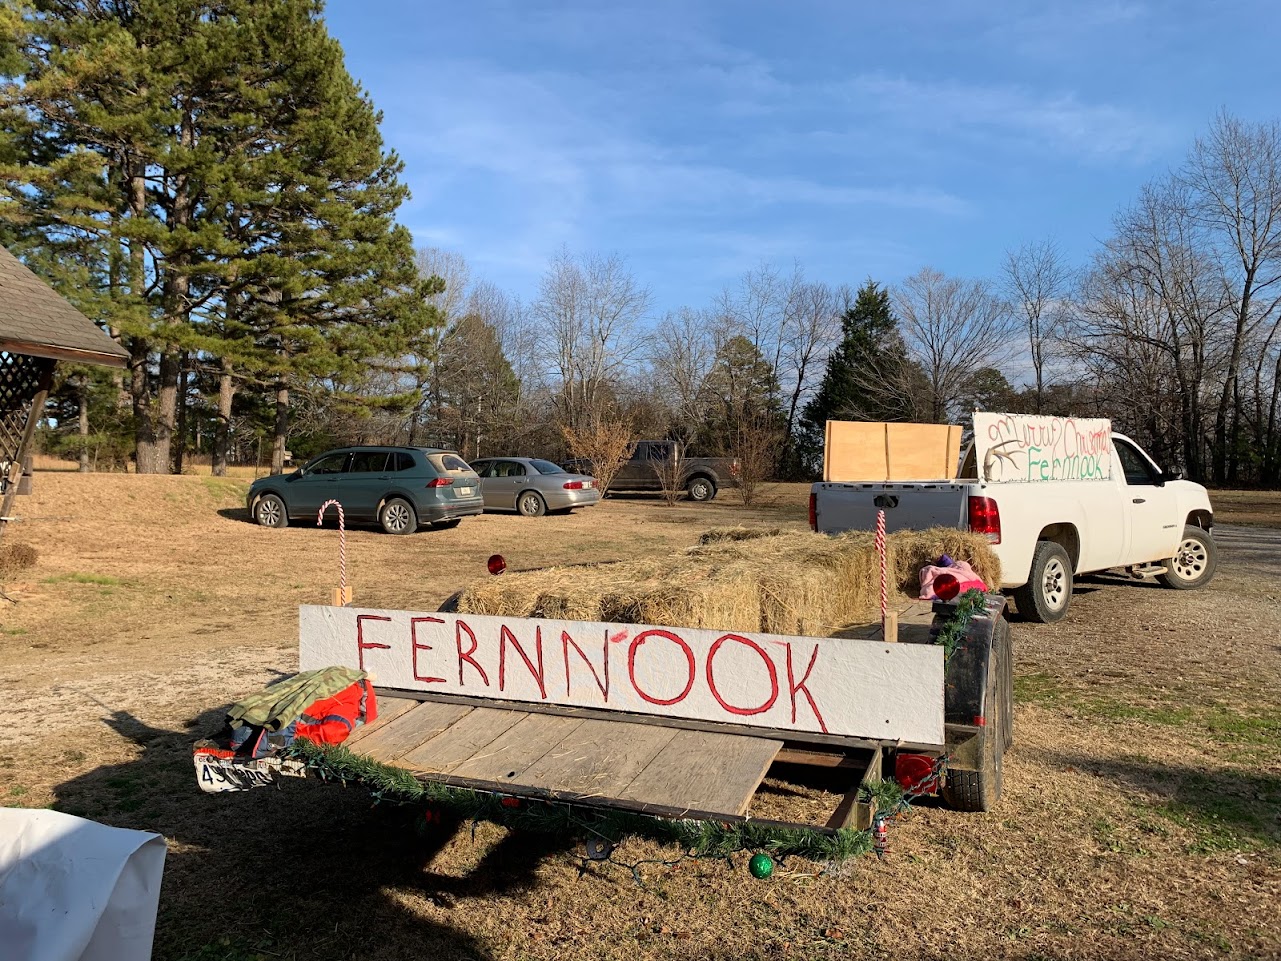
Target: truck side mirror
{"points": [[1171, 474]]}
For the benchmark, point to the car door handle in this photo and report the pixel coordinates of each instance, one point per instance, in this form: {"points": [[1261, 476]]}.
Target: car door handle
{"points": [[1140, 500]]}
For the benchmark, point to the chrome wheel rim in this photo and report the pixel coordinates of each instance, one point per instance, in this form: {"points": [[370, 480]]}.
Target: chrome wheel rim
{"points": [[396, 517], [1191, 559], [529, 505], [268, 513], [1055, 584]]}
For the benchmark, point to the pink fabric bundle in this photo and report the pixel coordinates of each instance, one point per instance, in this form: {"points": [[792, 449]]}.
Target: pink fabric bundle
{"points": [[958, 569]]}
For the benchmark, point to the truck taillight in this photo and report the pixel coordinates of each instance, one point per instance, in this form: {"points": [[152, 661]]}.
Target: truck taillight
{"points": [[985, 518], [813, 511], [440, 482], [572, 485], [734, 467]]}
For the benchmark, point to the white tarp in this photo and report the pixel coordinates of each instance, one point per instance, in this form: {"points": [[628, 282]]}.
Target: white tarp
{"points": [[76, 890]]}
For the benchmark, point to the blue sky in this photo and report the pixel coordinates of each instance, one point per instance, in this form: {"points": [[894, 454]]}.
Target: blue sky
{"points": [[860, 138]]}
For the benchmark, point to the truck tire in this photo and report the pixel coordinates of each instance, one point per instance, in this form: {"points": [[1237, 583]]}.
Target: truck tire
{"points": [[980, 790], [700, 488], [1194, 563], [1046, 596]]}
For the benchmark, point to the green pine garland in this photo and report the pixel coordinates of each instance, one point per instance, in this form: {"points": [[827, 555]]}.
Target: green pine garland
{"points": [[696, 837], [968, 606]]}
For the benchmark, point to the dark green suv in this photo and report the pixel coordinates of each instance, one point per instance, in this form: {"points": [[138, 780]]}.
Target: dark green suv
{"points": [[396, 487]]}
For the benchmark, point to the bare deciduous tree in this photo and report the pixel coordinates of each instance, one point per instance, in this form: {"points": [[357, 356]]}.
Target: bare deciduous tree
{"points": [[953, 328], [1036, 280], [591, 310], [605, 442]]}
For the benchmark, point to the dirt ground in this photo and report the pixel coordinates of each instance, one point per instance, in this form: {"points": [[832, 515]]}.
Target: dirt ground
{"points": [[1142, 814]]}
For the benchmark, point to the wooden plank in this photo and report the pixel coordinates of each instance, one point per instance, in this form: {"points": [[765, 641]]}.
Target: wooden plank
{"points": [[839, 741], [854, 451], [523, 744], [600, 758], [409, 730], [851, 812], [389, 708], [704, 772], [462, 739]]}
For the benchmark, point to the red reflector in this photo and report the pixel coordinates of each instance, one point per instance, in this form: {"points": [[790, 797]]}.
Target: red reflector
{"points": [[985, 518], [573, 485], [946, 587], [980, 721], [915, 772], [813, 511], [496, 563], [440, 482]]}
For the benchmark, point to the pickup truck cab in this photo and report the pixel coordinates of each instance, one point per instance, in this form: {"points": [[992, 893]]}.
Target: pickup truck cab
{"points": [[652, 461], [1140, 518]]}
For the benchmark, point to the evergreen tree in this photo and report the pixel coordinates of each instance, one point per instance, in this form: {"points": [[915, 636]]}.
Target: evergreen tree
{"points": [[869, 375], [222, 180]]}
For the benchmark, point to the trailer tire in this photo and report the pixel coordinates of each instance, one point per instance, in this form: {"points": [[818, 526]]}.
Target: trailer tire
{"points": [[1047, 595], [981, 790], [1194, 563]]}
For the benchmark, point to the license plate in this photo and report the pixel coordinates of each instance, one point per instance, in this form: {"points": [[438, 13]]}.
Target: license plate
{"points": [[465, 491], [588, 485], [218, 774]]}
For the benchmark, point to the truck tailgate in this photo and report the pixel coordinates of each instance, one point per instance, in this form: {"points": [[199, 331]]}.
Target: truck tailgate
{"points": [[908, 506]]}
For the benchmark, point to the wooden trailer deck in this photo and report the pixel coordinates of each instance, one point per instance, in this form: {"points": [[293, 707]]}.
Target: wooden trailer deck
{"points": [[660, 766]]}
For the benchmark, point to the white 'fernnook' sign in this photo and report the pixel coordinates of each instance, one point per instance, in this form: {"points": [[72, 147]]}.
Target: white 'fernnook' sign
{"points": [[854, 688], [1035, 448]]}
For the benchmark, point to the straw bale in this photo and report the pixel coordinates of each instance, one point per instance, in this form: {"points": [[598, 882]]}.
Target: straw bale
{"points": [[15, 557], [778, 582]]}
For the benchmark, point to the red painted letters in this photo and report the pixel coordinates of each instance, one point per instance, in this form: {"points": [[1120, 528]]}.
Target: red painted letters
{"points": [[769, 666], [361, 645], [466, 656], [793, 687], [566, 642], [506, 637], [418, 646], [640, 639]]}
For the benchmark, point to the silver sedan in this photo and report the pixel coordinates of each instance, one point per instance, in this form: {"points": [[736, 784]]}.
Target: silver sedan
{"points": [[532, 487]]}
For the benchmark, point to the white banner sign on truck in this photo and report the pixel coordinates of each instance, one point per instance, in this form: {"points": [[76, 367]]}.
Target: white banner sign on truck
{"points": [[854, 688], [1034, 448]]}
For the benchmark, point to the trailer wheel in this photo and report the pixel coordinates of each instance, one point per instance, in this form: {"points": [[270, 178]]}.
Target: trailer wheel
{"points": [[1046, 596], [980, 790]]}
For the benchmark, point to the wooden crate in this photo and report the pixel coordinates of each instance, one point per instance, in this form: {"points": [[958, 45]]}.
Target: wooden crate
{"points": [[868, 451]]}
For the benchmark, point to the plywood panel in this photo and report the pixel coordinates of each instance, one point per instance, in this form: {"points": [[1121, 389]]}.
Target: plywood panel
{"points": [[409, 730], [600, 758], [854, 451], [696, 771], [389, 709], [458, 742], [506, 758], [878, 452]]}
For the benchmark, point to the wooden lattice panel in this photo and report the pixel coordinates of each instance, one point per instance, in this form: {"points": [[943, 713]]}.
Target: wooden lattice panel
{"points": [[20, 377]]}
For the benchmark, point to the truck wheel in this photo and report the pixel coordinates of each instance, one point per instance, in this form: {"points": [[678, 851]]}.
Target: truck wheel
{"points": [[1194, 563], [1048, 592], [700, 489], [980, 790]]}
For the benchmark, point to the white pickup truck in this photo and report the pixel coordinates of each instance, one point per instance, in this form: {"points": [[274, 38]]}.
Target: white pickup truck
{"points": [[1055, 502]]}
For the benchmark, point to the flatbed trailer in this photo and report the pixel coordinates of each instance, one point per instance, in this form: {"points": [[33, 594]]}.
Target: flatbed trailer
{"points": [[659, 763]]}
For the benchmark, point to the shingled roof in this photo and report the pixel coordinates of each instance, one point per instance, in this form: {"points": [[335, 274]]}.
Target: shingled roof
{"points": [[36, 320]]}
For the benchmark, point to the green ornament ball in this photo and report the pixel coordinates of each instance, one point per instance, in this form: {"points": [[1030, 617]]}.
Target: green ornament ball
{"points": [[761, 865]]}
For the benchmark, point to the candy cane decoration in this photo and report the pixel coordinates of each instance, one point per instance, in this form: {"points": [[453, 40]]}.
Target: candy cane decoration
{"points": [[881, 552], [342, 543]]}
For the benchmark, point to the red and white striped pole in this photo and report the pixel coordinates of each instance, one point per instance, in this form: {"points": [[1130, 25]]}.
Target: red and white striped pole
{"points": [[342, 596], [881, 552]]}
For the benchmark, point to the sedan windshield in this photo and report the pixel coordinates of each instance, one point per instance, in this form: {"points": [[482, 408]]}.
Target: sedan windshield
{"points": [[546, 467]]}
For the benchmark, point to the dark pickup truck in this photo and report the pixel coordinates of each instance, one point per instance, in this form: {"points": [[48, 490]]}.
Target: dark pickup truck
{"points": [[699, 477]]}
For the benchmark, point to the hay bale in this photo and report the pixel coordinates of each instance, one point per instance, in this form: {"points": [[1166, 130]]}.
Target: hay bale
{"points": [[16, 557], [735, 579]]}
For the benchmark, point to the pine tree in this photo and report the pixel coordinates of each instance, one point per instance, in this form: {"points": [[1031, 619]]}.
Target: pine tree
{"points": [[869, 375]]}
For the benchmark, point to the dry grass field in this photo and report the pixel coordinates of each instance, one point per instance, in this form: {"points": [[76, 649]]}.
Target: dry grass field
{"points": [[1142, 815]]}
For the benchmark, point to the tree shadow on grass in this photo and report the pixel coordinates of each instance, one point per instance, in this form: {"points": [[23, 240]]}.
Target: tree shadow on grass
{"points": [[300, 869], [1223, 806]]}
